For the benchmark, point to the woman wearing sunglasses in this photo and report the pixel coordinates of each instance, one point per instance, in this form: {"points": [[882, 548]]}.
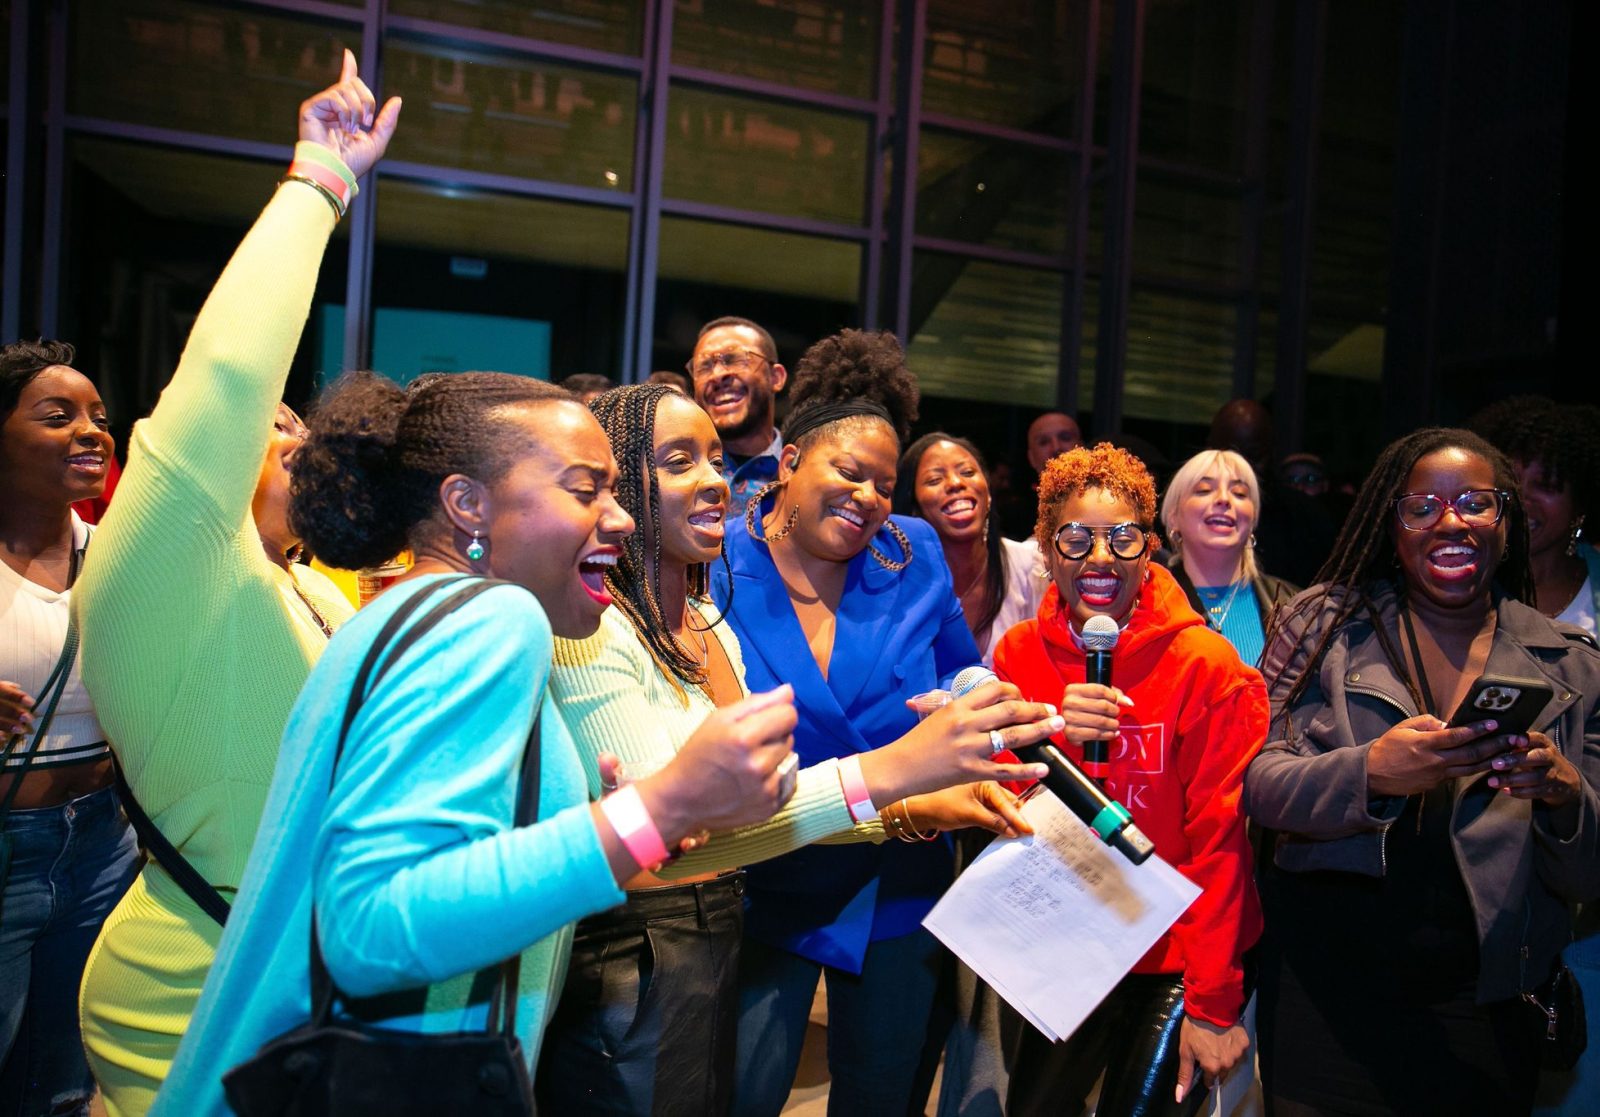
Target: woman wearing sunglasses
{"points": [[1420, 874], [1184, 720]]}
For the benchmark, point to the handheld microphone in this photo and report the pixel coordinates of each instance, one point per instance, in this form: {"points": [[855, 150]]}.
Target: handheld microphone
{"points": [[1099, 639], [1067, 782]]}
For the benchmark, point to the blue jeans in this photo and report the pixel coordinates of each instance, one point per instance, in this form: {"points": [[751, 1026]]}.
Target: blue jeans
{"points": [[69, 866], [877, 1025]]}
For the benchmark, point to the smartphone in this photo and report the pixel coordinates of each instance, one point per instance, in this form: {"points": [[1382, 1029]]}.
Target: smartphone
{"points": [[1514, 703]]}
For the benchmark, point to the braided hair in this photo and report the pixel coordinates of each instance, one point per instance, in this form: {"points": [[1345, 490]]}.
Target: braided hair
{"points": [[1364, 554], [366, 481], [628, 416]]}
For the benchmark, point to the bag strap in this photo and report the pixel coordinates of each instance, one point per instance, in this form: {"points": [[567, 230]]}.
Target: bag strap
{"points": [[204, 894], [384, 653], [51, 692]]}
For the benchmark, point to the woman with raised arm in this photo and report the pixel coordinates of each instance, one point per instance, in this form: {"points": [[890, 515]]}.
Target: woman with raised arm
{"points": [[198, 628], [66, 853], [403, 841], [661, 662], [1421, 874]]}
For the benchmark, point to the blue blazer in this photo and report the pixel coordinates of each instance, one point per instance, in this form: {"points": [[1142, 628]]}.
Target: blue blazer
{"points": [[898, 633]]}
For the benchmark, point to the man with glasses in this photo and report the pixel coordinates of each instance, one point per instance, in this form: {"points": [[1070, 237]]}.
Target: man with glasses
{"points": [[737, 379]]}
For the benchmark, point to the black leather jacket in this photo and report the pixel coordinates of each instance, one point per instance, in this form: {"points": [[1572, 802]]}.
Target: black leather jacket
{"points": [[1520, 873]]}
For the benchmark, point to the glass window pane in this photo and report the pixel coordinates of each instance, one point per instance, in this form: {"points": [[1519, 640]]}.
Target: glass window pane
{"points": [[148, 231], [985, 331], [468, 279], [799, 288], [1017, 62], [243, 73], [1180, 357], [514, 117], [1195, 81], [751, 154], [612, 25], [1182, 232], [5, 51], [826, 46], [1003, 195]]}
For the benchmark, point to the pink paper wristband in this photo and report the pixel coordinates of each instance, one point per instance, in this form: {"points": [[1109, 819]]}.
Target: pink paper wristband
{"points": [[856, 796], [635, 828]]}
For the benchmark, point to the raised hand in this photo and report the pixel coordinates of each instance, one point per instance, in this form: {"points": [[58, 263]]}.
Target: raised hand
{"points": [[345, 119]]}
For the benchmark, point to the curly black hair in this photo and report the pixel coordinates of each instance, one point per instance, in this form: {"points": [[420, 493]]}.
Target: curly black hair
{"points": [[21, 361], [366, 481], [857, 364], [1563, 438]]}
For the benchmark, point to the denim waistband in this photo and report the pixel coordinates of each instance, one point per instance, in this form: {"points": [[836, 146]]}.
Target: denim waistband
{"points": [[672, 901], [95, 807]]}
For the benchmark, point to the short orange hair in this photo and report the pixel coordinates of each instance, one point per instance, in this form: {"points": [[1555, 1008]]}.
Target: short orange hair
{"points": [[1105, 467]]}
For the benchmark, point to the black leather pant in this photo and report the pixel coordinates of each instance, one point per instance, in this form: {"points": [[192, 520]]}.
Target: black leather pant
{"points": [[1132, 1036], [647, 1017]]}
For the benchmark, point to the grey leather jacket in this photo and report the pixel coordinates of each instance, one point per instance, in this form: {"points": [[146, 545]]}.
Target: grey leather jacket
{"points": [[1312, 789]]}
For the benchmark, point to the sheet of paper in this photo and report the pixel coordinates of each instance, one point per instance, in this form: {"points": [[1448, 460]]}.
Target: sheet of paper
{"points": [[1053, 921]]}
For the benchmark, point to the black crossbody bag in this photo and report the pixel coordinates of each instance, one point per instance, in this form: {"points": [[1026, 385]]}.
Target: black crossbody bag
{"points": [[333, 1066]]}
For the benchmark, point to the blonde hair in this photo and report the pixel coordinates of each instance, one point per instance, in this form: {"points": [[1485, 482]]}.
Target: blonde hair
{"points": [[1225, 466]]}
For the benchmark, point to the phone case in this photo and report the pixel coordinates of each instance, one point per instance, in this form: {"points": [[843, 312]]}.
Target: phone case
{"points": [[1515, 703]]}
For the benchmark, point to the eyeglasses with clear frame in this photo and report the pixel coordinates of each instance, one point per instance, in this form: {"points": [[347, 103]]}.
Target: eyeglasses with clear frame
{"points": [[1075, 541], [1475, 508], [730, 360]]}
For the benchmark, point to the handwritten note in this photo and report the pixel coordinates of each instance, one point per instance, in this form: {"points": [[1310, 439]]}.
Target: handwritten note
{"points": [[1052, 922]]}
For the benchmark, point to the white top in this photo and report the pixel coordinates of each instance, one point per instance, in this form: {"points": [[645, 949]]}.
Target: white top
{"points": [[1580, 610], [33, 629], [1026, 581]]}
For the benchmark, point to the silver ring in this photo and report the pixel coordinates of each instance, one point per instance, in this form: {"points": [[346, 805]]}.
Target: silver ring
{"points": [[997, 742]]}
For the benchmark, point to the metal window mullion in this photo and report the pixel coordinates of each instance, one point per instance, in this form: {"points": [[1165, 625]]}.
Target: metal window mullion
{"points": [[55, 173], [1305, 109], [879, 140], [18, 121], [645, 232], [902, 231], [1111, 344], [363, 215], [1069, 357], [1252, 201]]}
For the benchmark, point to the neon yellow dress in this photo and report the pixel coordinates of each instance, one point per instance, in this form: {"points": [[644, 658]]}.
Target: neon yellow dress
{"points": [[195, 645]]}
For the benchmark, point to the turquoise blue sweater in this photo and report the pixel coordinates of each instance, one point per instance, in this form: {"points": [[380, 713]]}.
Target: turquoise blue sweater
{"points": [[419, 878]]}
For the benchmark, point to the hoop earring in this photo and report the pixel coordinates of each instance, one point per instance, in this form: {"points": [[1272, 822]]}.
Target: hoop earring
{"points": [[884, 560], [476, 549], [752, 515], [1576, 537], [1252, 540]]}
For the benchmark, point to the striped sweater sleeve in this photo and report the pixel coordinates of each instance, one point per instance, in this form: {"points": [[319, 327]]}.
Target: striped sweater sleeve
{"points": [[616, 700]]}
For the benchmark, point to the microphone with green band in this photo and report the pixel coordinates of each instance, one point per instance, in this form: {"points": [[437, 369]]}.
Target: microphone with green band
{"points": [[1066, 781]]}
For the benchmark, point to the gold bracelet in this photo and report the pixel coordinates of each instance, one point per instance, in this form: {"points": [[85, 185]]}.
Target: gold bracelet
{"points": [[327, 195], [902, 826]]}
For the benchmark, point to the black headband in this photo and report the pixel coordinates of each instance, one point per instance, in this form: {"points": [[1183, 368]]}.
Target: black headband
{"points": [[812, 416]]}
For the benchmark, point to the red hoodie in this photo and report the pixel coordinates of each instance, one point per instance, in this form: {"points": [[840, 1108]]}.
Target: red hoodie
{"points": [[1198, 717]]}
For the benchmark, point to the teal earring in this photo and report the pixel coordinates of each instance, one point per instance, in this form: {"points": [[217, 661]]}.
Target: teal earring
{"points": [[475, 549]]}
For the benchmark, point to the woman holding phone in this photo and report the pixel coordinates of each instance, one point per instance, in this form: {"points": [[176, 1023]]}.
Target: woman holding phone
{"points": [[1420, 874]]}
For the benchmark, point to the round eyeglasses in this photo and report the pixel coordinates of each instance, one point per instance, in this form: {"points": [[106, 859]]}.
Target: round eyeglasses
{"points": [[733, 360], [1126, 541], [1475, 508]]}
